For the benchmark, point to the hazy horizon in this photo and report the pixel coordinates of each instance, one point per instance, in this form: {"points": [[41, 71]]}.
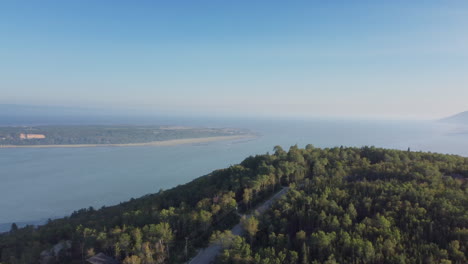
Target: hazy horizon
{"points": [[395, 60], [87, 113]]}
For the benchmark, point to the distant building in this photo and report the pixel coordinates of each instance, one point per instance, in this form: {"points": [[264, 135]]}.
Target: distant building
{"points": [[101, 258], [31, 136]]}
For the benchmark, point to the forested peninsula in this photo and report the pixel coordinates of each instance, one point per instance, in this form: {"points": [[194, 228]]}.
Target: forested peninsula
{"points": [[89, 136], [342, 205]]}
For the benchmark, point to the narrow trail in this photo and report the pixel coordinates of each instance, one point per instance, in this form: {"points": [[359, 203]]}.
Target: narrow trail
{"points": [[209, 254]]}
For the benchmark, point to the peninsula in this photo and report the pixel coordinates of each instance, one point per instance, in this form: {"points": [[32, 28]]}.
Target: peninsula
{"points": [[114, 136]]}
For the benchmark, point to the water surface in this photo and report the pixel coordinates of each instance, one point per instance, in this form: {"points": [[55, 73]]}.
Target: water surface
{"points": [[37, 184]]}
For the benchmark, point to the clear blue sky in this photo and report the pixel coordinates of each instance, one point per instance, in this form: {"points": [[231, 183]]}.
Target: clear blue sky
{"points": [[403, 59]]}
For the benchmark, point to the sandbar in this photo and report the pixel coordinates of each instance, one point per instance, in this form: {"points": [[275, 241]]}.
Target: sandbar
{"points": [[171, 142]]}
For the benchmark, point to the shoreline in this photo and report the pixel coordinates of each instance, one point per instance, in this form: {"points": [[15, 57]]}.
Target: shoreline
{"points": [[171, 142]]}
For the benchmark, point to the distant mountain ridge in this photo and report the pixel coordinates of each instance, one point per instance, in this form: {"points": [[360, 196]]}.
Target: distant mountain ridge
{"points": [[461, 118], [49, 110]]}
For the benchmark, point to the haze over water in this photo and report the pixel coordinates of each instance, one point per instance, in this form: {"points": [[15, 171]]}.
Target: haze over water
{"points": [[53, 182]]}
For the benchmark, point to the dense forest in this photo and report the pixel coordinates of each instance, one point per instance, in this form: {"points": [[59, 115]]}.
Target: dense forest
{"points": [[344, 205], [62, 135]]}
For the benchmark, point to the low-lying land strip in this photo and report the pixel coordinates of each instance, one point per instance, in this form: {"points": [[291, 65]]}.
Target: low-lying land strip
{"points": [[113, 136], [171, 142]]}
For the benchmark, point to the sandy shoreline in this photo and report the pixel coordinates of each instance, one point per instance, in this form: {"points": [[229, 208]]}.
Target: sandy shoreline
{"points": [[172, 142]]}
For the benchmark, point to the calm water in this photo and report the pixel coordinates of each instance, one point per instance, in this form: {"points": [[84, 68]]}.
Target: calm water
{"points": [[36, 184]]}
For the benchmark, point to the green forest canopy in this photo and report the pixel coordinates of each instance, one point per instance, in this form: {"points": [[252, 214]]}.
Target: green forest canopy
{"points": [[345, 205]]}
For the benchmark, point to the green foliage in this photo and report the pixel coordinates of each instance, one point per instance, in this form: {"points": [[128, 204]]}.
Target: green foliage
{"points": [[345, 205], [250, 225], [365, 205]]}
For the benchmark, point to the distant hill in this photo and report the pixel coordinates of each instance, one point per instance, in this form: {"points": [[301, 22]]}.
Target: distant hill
{"points": [[18, 115], [461, 118], [44, 115], [38, 110]]}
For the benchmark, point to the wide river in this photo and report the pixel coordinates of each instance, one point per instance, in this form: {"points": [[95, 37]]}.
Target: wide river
{"points": [[41, 183]]}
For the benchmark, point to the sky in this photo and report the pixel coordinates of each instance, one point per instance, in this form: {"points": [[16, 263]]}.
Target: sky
{"points": [[376, 59]]}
